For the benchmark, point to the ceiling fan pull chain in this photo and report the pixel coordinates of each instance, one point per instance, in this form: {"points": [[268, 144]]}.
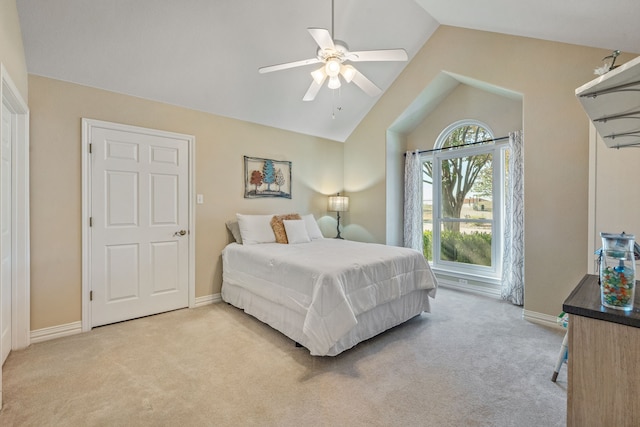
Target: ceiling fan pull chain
{"points": [[333, 102]]}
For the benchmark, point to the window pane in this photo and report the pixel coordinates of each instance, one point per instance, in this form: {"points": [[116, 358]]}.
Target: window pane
{"points": [[467, 187], [467, 209], [466, 134], [427, 209], [465, 243]]}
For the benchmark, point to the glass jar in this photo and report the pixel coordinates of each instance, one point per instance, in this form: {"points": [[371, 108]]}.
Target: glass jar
{"points": [[617, 271]]}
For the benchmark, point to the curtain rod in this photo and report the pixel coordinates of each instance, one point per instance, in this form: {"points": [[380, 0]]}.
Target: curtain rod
{"points": [[459, 146]]}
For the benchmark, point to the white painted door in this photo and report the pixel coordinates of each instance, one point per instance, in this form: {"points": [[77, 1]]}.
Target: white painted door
{"points": [[139, 224], [5, 231]]}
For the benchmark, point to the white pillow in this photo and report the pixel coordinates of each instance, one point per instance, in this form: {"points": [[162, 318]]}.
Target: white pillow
{"points": [[256, 229], [312, 227], [296, 231]]}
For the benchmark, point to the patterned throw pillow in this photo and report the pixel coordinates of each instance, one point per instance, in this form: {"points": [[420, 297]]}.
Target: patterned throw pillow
{"points": [[278, 226]]}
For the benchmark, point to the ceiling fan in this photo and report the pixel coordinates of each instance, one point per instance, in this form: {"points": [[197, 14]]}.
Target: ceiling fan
{"points": [[334, 55]]}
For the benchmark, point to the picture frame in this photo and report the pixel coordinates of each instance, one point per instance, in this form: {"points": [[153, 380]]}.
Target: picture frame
{"points": [[266, 178]]}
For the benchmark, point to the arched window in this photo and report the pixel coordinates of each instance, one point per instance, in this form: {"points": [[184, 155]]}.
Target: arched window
{"points": [[463, 202]]}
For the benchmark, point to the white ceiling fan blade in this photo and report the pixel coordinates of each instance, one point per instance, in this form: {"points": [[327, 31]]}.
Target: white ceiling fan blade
{"points": [[378, 55], [365, 84], [322, 37], [313, 90], [287, 65]]}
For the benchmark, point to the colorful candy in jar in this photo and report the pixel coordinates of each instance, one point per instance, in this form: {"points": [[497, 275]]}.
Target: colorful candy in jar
{"points": [[617, 284]]}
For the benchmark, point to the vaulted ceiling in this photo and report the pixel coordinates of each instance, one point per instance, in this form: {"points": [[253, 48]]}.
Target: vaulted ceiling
{"points": [[205, 54]]}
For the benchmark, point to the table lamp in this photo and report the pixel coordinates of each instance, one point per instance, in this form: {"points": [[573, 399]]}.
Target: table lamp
{"points": [[338, 204]]}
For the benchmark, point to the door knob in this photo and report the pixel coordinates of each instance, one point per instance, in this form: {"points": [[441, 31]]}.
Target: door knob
{"points": [[180, 233]]}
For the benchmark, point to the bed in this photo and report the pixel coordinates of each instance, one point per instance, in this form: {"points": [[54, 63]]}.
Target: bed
{"points": [[326, 294]]}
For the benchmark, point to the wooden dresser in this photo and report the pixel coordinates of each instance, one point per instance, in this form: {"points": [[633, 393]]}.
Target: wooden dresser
{"points": [[604, 360]]}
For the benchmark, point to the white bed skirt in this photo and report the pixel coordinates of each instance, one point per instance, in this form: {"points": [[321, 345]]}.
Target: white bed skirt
{"points": [[289, 322]]}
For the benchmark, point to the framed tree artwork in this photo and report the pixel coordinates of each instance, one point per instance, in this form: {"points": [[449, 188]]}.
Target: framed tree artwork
{"points": [[266, 178]]}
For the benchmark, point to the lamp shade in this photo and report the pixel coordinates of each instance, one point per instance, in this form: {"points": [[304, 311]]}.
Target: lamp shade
{"points": [[348, 72], [338, 203], [334, 82], [319, 75]]}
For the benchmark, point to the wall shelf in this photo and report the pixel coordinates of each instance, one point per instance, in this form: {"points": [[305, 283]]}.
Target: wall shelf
{"points": [[612, 102]]}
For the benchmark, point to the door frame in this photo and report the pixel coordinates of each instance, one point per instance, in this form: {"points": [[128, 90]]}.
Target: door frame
{"points": [[87, 126], [20, 240], [20, 245]]}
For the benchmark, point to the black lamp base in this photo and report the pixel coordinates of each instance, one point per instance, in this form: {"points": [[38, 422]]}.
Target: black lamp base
{"points": [[338, 228]]}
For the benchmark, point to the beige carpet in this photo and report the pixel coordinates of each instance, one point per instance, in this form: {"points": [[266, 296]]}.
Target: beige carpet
{"points": [[472, 362]]}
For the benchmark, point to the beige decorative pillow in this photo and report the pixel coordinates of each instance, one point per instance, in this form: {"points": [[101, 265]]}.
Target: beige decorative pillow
{"points": [[278, 226], [234, 228]]}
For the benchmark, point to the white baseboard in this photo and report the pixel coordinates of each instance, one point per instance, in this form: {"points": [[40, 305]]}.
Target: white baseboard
{"points": [[531, 316], [208, 299], [46, 334], [477, 289], [542, 319]]}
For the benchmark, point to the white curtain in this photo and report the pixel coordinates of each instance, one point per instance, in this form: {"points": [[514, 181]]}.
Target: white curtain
{"points": [[413, 201], [513, 256]]}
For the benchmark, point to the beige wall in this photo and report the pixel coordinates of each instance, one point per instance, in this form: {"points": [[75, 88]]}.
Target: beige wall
{"points": [[501, 114], [556, 161], [614, 199], [555, 137], [11, 49], [56, 111]]}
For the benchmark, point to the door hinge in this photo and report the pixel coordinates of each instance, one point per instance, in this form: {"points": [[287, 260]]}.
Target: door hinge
{"points": [[90, 295], [90, 221], [90, 148]]}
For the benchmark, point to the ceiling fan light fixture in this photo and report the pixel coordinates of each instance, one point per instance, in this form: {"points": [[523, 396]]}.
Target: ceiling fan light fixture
{"points": [[332, 68], [334, 82], [348, 72], [331, 54], [319, 75]]}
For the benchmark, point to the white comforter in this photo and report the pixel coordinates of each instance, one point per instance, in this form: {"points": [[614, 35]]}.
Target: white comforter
{"points": [[328, 281]]}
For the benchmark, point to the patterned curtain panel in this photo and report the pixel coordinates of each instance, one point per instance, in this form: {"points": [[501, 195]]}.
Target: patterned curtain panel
{"points": [[413, 201], [513, 269]]}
